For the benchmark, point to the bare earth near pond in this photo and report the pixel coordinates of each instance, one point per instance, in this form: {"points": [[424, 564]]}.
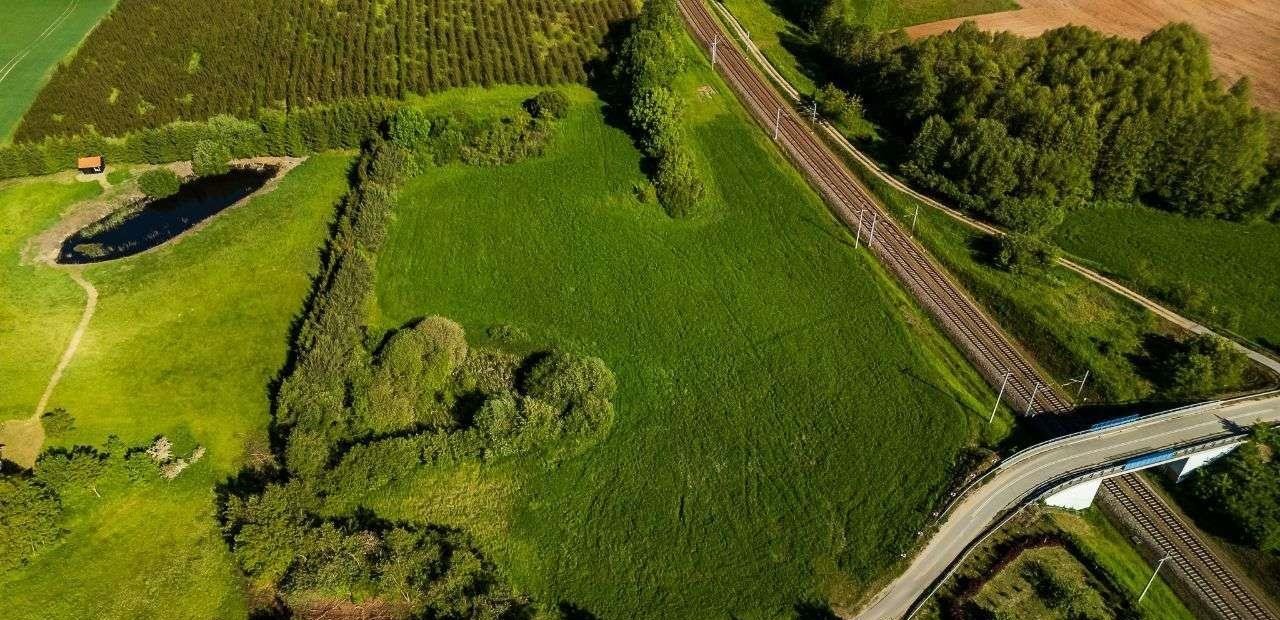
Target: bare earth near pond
{"points": [[1244, 35]]}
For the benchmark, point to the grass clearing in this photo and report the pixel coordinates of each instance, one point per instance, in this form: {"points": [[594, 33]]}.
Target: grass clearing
{"points": [[787, 417], [1227, 270], [37, 35], [185, 342], [39, 306]]}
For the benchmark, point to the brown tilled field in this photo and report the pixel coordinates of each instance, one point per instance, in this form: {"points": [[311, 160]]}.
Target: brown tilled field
{"points": [[1244, 34]]}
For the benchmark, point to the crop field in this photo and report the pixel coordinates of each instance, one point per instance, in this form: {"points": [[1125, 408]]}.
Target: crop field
{"points": [[786, 417], [185, 343], [1244, 34], [37, 35], [157, 61]]}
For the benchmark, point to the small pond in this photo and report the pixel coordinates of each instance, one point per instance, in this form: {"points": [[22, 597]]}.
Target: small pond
{"points": [[149, 223]]}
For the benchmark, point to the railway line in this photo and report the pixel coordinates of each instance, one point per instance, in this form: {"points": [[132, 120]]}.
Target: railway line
{"points": [[976, 334], [1216, 586]]}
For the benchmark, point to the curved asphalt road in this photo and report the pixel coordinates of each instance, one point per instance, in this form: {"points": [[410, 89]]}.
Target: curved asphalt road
{"points": [[1023, 476]]}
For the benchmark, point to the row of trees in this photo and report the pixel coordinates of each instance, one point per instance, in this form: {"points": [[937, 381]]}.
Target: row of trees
{"points": [[342, 124], [648, 63], [152, 62], [1023, 130], [356, 412]]}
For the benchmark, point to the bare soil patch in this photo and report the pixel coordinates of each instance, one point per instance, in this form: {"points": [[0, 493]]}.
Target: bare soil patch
{"points": [[1244, 34]]}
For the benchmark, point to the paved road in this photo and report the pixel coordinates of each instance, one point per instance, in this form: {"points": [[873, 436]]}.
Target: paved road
{"points": [[1023, 476]]}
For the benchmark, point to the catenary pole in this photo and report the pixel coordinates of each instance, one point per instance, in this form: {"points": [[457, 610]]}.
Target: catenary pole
{"points": [[1153, 576], [1003, 382], [1032, 403]]}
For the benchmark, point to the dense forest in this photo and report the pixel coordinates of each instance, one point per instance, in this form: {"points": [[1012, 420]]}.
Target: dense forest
{"points": [[1022, 130], [155, 61], [1239, 496]]}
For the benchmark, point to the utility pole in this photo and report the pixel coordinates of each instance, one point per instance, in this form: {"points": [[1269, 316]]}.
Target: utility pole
{"points": [[813, 113], [1003, 382], [714, 44], [777, 123], [872, 237], [1153, 575], [1032, 403], [913, 219], [857, 237], [1082, 381]]}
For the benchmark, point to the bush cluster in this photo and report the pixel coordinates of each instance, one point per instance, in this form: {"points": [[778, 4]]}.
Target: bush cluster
{"points": [[159, 183], [648, 63], [1202, 366], [1024, 130], [1236, 495]]}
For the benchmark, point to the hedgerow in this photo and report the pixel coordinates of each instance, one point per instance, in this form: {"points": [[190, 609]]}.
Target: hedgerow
{"points": [[156, 61], [648, 63]]}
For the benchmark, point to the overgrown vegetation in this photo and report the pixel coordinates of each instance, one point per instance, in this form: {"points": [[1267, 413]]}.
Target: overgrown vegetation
{"points": [[152, 62], [648, 65], [1236, 497], [354, 416]]}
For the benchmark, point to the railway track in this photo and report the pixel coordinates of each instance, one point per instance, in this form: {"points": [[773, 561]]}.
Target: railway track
{"points": [[979, 337], [1219, 589]]}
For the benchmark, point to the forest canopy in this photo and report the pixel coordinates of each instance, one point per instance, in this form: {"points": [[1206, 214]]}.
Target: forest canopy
{"points": [[1023, 130]]}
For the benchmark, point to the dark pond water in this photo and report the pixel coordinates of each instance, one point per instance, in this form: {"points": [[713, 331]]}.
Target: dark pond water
{"points": [[146, 225]]}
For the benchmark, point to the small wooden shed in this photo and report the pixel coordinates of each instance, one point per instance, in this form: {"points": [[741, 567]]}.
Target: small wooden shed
{"points": [[92, 164]]}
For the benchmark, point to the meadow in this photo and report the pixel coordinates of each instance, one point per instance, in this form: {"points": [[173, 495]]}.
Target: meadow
{"points": [[786, 416], [38, 34], [1218, 271], [39, 307], [185, 342], [156, 61]]}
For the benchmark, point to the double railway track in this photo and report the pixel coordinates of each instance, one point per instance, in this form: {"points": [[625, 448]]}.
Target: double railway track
{"points": [[1219, 589], [976, 334]]}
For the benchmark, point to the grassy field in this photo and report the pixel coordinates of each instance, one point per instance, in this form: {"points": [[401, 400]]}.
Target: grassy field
{"points": [[39, 307], [786, 417], [37, 35], [1227, 269], [784, 42], [184, 343]]}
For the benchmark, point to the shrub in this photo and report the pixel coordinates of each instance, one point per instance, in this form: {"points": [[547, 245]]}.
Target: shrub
{"points": [[1024, 254], [837, 105], [159, 183], [1204, 365], [210, 158], [678, 187], [564, 380], [548, 104], [57, 422]]}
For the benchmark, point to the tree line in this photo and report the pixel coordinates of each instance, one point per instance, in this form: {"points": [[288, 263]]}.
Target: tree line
{"points": [[151, 62], [1022, 130], [648, 63], [1237, 496], [357, 410]]}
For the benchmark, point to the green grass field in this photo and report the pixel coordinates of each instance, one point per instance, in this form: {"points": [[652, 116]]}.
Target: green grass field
{"points": [[185, 342], [37, 35], [39, 307], [786, 416], [1228, 266]]}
